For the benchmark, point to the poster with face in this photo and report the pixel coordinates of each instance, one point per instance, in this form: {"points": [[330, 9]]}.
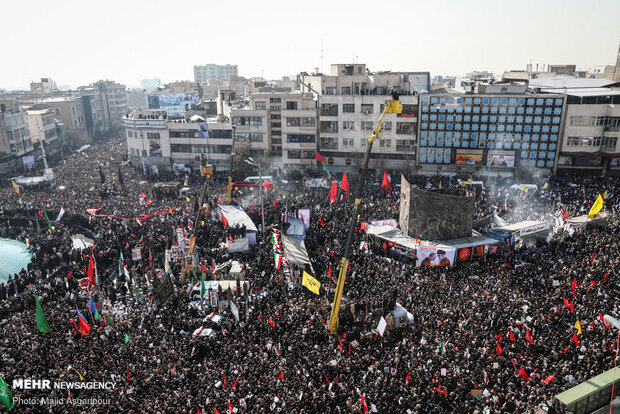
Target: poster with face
{"points": [[435, 256], [203, 130]]}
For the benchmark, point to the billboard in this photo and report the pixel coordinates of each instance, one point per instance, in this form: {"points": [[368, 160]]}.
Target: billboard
{"points": [[203, 130], [468, 159], [28, 161], [405, 201], [435, 256], [500, 160], [432, 215]]}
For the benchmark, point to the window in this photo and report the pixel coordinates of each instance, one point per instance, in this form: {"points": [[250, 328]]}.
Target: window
{"points": [[251, 136], [387, 126], [275, 108], [329, 126], [330, 90], [348, 108], [308, 121], [367, 108], [260, 105], [348, 125], [406, 127], [276, 124], [583, 141], [152, 135], [385, 143], [366, 125], [405, 145], [246, 120], [345, 90], [293, 121], [275, 100], [299, 138], [329, 109], [291, 105], [276, 116], [347, 142]]}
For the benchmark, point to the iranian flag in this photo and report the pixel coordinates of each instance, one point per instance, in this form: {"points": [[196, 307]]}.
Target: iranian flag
{"points": [[278, 259], [362, 245]]}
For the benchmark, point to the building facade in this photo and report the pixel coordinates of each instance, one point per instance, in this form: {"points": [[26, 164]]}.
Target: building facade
{"points": [[156, 142], [204, 73], [15, 136], [281, 125], [174, 103], [351, 101], [70, 111], [495, 133], [116, 100]]}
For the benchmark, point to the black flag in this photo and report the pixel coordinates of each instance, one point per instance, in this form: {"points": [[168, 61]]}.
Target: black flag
{"points": [[101, 175], [120, 176]]}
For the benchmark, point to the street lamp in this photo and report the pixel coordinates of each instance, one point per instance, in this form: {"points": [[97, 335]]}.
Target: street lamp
{"points": [[258, 165]]}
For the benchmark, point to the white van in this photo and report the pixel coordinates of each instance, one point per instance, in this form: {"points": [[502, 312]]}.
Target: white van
{"points": [[257, 178]]}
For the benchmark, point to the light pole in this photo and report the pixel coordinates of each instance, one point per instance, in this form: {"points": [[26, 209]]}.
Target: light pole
{"points": [[258, 165]]}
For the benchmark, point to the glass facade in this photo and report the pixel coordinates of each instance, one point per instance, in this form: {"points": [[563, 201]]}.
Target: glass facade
{"points": [[522, 128]]}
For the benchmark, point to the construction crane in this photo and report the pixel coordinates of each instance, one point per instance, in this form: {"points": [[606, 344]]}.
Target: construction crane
{"points": [[392, 106]]}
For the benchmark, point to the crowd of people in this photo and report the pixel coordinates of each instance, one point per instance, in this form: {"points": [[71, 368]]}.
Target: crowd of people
{"points": [[490, 334]]}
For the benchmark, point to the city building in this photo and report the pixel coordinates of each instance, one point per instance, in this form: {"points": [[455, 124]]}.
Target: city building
{"points": [[42, 126], [15, 139], [281, 125], [116, 100], [150, 84], [70, 111], [45, 87], [351, 101], [591, 130], [137, 99], [211, 71], [492, 132], [97, 118], [155, 142]]}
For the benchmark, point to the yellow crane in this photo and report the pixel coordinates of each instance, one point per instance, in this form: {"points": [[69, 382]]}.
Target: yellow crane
{"points": [[392, 106]]}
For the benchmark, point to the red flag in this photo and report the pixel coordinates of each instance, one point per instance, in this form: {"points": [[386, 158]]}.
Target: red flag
{"points": [[273, 325], [407, 378], [267, 185], [326, 379], [224, 382], [499, 350], [203, 269], [281, 376], [224, 221], [329, 271], [548, 379], [512, 336], [568, 305], [230, 237], [320, 158], [333, 192], [74, 324], [386, 183], [341, 346], [574, 284], [574, 339], [523, 374], [345, 184], [499, 337], [70, 275], [216, 411], [528, 336], [592, 284], [275, 204], [91, 269], [439, 390], [605, 280], [148, 202], [234, 385], [321, 221], [230, 410], [364, 403], [592, 258]]}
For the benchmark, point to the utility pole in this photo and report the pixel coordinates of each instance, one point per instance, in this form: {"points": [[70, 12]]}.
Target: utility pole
{"points": [[393, 107]]}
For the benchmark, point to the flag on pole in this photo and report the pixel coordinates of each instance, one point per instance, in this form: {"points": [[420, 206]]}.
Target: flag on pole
{"points": [[126, 339], [60, 214], [575, 339], [41, 321], [15, 188], [578, 327], [596, 207], [498, 349], [345, 184], [278, 260], [386, 183], [6, 397], [311, 283], [333, 192], [84, 326], [321, 158], [90, 272]]}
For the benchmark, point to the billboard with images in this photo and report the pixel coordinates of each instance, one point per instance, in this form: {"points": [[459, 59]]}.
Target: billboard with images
{"points": [[500, 160], [468, 159], [435, 256], [203, 130]]}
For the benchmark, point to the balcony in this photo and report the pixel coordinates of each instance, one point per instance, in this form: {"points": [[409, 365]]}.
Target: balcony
{"points": [[611, 128], [331, 130]]}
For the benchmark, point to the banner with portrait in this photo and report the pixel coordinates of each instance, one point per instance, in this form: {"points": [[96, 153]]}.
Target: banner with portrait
{"points": [[203, 130], [435, 256], [28, 161], [468, 159], [500, 160]]}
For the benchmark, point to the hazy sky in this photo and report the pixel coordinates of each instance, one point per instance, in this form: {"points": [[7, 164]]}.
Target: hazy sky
{"points": [[78, 42]]}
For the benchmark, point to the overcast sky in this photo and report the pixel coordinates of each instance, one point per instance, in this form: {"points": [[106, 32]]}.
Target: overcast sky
{"points": [[78, 42]]}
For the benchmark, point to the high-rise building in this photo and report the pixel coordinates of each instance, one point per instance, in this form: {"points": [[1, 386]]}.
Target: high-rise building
{"points": [[14, 134], [46, 86], [116, 96], [500, 128], [351, 101], [204, 73]]}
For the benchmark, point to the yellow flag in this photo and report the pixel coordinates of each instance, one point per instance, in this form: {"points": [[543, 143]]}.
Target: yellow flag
{"points": [[311, 283], [578, 327], [605, 195], [598, 205], [187, 198], [15, 187], [545, 186], [81, 377]]}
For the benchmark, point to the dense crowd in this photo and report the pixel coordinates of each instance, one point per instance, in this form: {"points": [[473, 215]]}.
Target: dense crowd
{"points": [[490, 334]]}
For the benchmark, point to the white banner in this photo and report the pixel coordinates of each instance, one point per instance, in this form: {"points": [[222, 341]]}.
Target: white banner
{"points": [[304, 215], [435, 256], [62, 213], [316, 182], [234, 310]]}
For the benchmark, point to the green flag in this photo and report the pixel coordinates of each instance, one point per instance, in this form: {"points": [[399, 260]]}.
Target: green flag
{"points": [[120, 264], [97, 315], [41, 321], [126, 338], [6, 397], [327, 171], [194, 274], [109, 321], [49, 223], [38, 226]]}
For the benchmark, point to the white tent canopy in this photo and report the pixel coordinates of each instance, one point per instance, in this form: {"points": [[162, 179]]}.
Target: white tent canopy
{"points": [[236, 215], [526, 228], [472, 241], [391, 234]]}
